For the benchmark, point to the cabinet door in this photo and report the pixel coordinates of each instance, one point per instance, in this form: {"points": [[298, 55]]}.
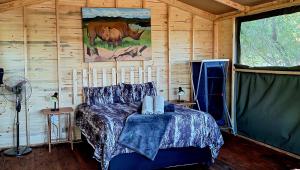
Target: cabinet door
{"points": [[215, 91]]}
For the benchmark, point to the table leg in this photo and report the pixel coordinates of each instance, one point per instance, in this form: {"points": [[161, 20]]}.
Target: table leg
{"points": [[49, 131], [72, 137], [70, 131], [59, 129], [69, 127]]}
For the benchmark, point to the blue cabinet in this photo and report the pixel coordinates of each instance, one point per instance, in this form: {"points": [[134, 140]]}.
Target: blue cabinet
{"points": [[209, 88]]}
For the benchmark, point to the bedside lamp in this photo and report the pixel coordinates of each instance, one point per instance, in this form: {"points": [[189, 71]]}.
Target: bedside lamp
{"points": [[54, 98], [1, 75], [180, 93]]}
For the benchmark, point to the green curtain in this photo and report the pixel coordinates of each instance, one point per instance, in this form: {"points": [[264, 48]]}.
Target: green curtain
{"points": [[268, 109]]}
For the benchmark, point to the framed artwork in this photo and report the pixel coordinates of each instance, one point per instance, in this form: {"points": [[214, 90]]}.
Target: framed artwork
{"points": [[116, 34]]}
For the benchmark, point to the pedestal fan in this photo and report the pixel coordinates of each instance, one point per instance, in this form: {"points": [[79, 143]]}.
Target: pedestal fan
{"points": [[17, 90]]}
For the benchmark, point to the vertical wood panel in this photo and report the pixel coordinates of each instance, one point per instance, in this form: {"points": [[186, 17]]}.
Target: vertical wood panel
{"points": [[132, 75], [95, 77], [225, 47], [140, 75], [84, 78], [149, 74], [58, 49], [42, 64], [216, 39], [101, 3], [116, 3], [75, 81], [193, 38], [169, 52], [25, 53], [122, 75], [129, 3], [203, 38], [180, 51], [114, 78], [225, 29], [90, 71], [158, 80], [104, 79], [192, 56]]}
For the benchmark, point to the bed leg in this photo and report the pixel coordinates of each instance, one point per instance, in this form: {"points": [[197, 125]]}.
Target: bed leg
{"points": [[207, 164], [99, 166]]}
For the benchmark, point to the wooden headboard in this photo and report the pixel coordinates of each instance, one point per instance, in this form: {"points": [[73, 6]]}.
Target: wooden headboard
{"points": [[95, 77]]}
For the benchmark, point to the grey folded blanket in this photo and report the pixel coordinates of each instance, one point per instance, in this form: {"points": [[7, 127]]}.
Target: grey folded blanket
{"points": [[143, 133]]}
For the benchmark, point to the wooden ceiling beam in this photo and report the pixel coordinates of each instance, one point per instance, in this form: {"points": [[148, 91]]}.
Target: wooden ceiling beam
{"points": [[189, 8], [269, 6], [233, 4], [18, 4]]}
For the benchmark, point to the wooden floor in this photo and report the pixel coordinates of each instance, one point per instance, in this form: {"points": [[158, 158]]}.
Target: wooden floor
{"points": [[237, 154]]}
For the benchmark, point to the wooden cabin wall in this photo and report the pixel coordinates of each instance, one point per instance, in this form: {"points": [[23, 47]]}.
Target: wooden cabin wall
{"points": [[43, 42], [225, 35], [223, 48]]}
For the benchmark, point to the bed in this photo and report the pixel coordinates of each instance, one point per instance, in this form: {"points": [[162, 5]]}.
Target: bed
{"points": [[192, 137]]}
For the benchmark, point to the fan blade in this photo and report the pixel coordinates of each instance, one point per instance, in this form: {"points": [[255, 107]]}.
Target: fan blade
{"points": [[17, 88], [16, 85], [20, 83], [8, 88]]}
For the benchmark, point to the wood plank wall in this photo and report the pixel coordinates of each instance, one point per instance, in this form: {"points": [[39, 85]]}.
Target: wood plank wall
{"points": [[225, 35], [44, 43], [224, 48]]}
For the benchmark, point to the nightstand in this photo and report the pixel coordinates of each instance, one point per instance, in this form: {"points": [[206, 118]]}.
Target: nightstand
{"points": [[183, 103], [62, 111]]}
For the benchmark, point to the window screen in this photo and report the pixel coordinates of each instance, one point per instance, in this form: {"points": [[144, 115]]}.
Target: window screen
{"points": [[269, 39]]}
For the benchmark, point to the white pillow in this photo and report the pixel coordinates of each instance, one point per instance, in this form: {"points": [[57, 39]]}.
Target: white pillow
{"points": [[147, 107], [159, 104]]}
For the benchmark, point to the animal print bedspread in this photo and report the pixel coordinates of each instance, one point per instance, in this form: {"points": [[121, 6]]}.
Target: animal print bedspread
{"points": [[103, 124]]}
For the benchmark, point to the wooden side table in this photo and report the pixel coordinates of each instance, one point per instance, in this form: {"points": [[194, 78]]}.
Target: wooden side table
{"points": [[62, 111], [183, 103]]}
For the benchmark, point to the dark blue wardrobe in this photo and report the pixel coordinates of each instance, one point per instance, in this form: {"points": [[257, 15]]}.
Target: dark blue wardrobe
{"points": [[209, 88]]}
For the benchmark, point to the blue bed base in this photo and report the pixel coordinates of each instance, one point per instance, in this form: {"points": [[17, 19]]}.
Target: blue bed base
{"points": [[164, 158]]}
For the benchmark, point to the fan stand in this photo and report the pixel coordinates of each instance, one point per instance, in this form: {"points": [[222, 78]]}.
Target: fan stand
{"points": [[18, 150]]}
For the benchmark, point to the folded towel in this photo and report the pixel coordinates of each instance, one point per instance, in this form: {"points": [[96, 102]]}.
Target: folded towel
{"points": [[169, 107], [158, 106], [147, 107]]}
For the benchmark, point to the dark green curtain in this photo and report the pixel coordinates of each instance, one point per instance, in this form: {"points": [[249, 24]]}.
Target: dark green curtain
{"points": [[268, 109]]}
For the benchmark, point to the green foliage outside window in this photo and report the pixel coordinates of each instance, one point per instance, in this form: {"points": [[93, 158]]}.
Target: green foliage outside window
{"points": [[273, 41]]}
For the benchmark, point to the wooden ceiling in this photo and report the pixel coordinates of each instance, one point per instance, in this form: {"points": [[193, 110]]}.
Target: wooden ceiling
{"points": [[4, 1], [252, 2], [223, 6], [209, 9]]}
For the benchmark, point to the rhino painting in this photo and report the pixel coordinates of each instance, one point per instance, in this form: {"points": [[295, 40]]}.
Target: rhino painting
{"points": [[111, 34]]}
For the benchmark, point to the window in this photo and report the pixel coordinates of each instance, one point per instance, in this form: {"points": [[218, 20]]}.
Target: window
{"points": [[269, 39]]}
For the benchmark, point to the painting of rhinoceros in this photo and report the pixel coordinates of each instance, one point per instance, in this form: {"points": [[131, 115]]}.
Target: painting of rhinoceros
{"points": [[114, 34]]}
